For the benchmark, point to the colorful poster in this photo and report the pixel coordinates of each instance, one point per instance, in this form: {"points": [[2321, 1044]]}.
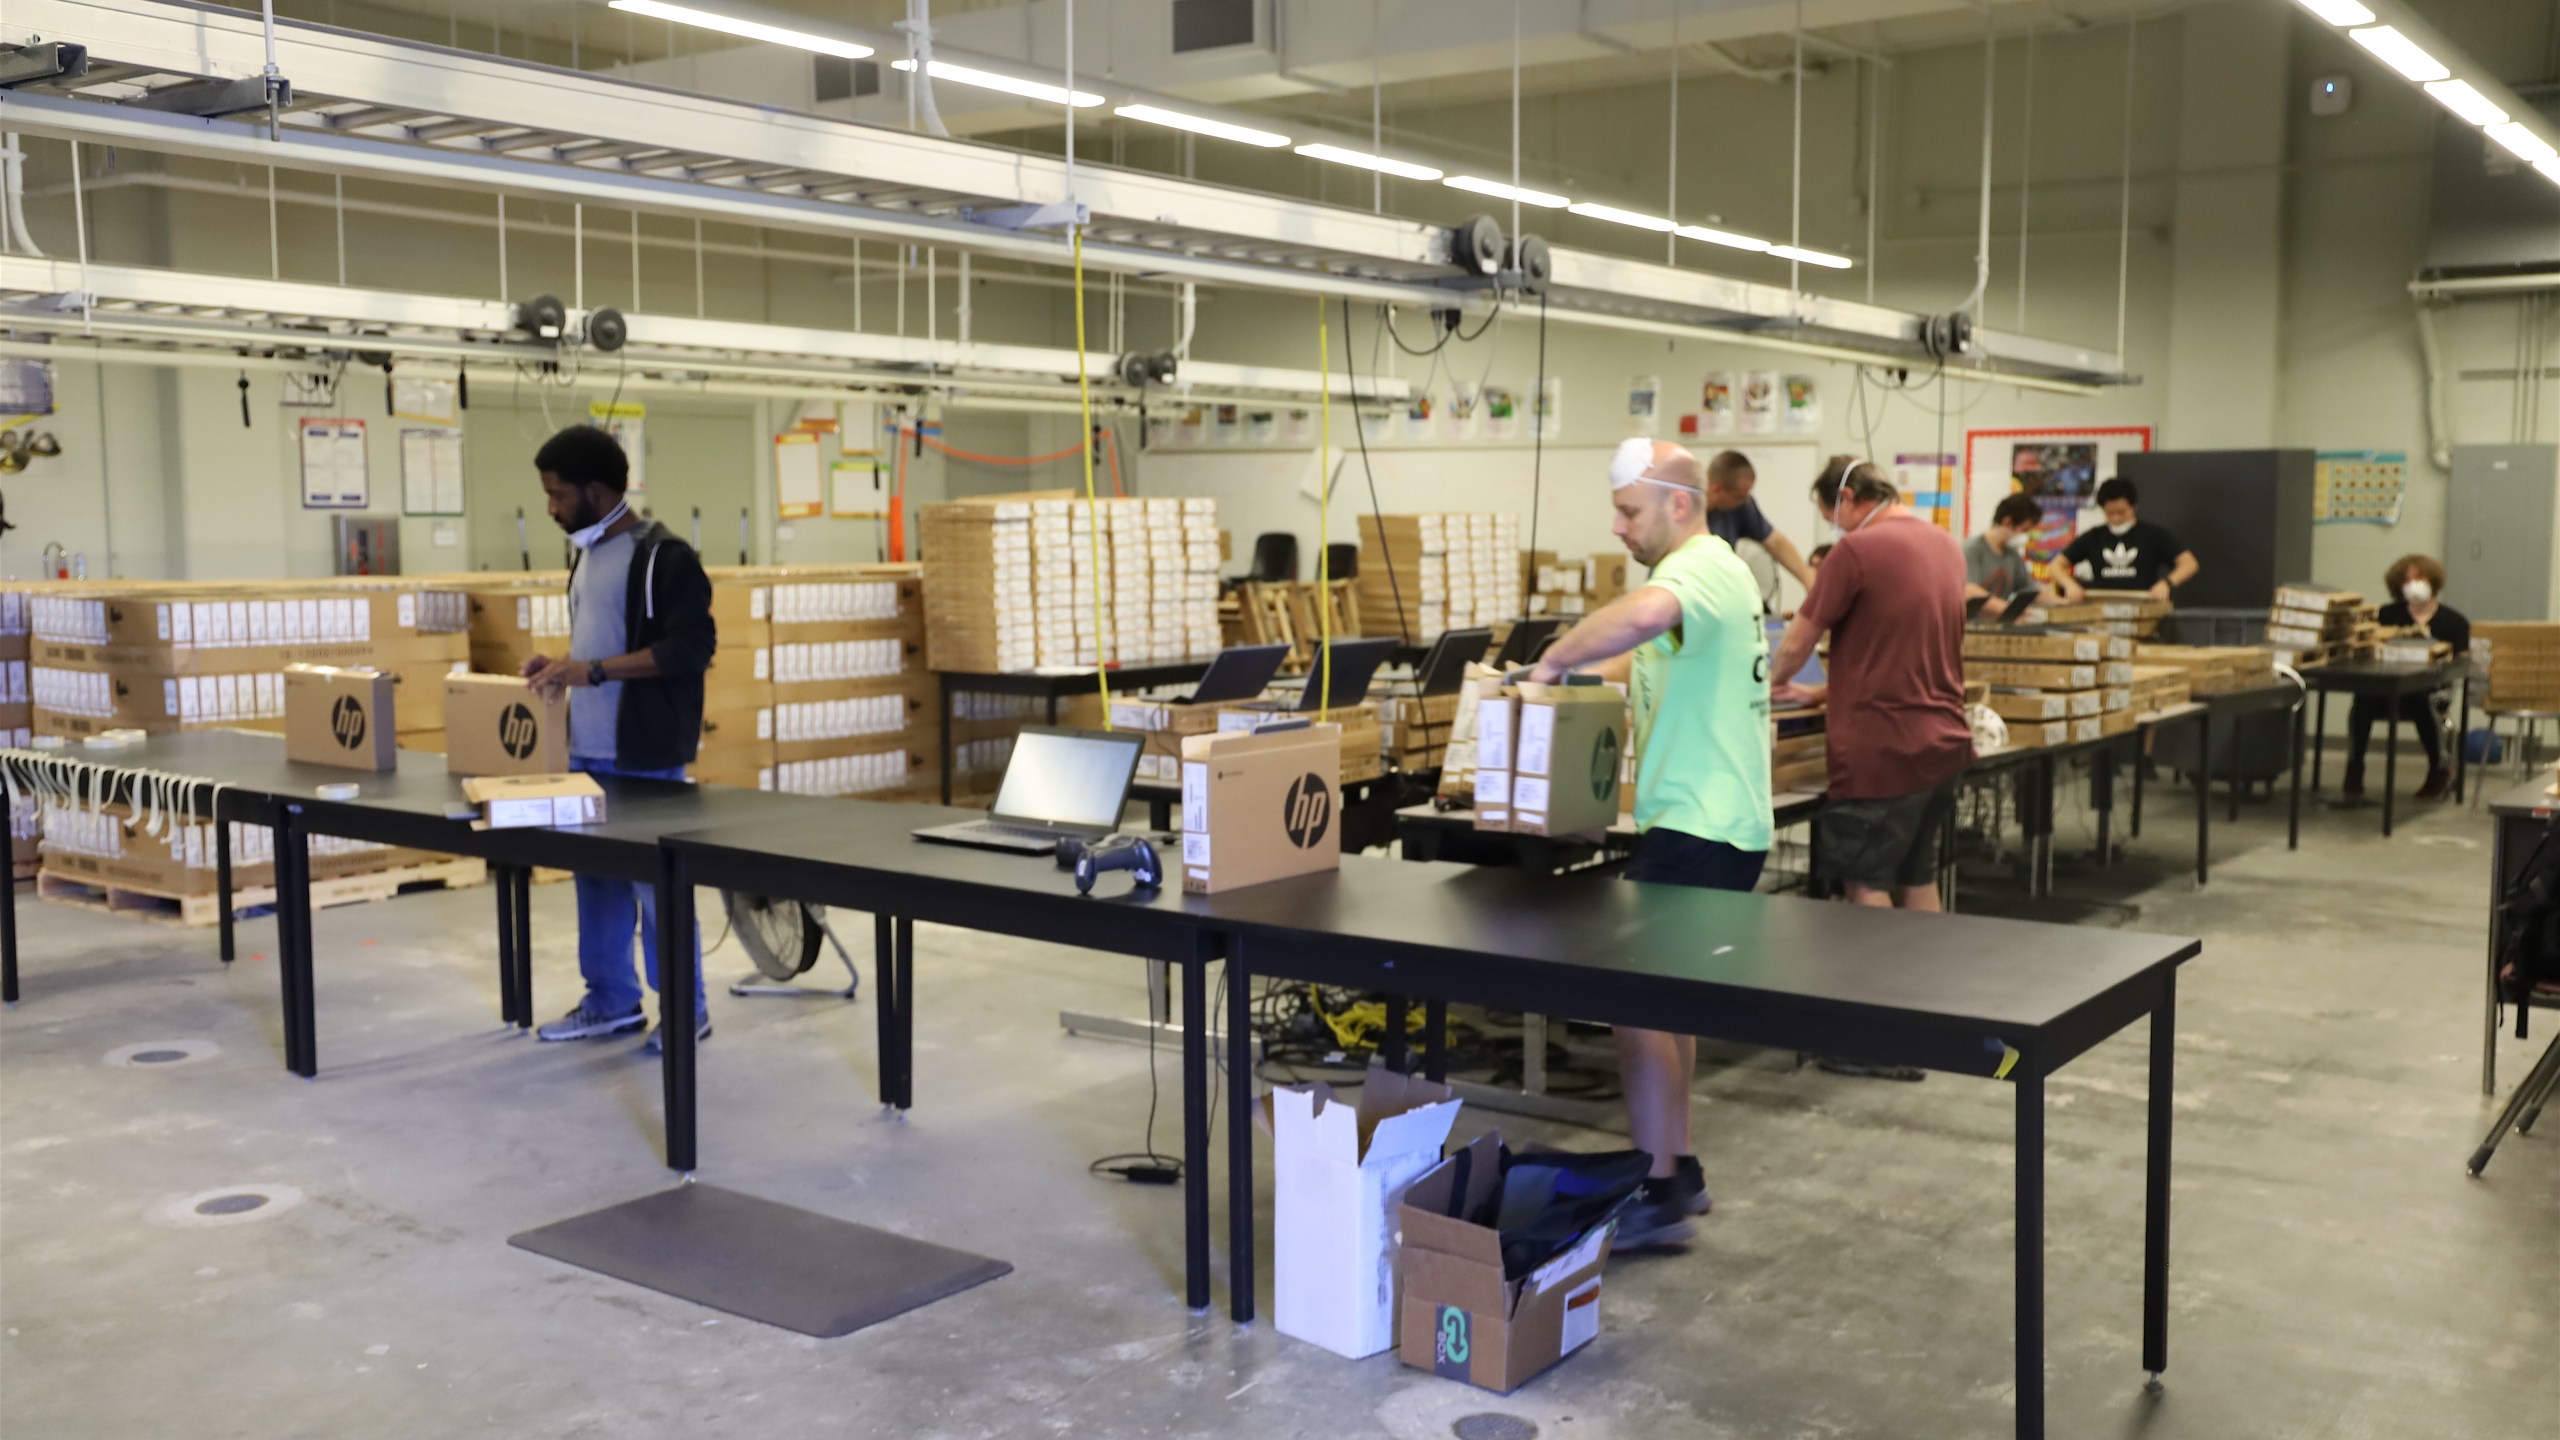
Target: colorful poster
{"points": [[1551, 407], [1466, 410], [1261, 427], [1416, 423], [1757, 408], [1226, 425], [2061, 467], [1501, 413], [2358, 487], [1644, 405], [1298, 427], [1803, 415], [1929, 483], [1715, 404]]}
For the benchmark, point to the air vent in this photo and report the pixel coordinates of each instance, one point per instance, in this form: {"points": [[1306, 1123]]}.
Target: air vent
{"points": [[837, 78], [1211, 24]]}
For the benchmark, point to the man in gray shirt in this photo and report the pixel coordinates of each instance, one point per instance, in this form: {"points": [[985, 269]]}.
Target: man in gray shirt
{"points": [[1995, 561]]}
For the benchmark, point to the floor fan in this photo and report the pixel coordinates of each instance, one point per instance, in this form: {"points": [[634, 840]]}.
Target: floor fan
{"points": [[783, 938]]}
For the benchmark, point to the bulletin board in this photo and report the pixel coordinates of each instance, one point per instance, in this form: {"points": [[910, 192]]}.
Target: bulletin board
{"points": [[2358, 487], [2062, 468]]}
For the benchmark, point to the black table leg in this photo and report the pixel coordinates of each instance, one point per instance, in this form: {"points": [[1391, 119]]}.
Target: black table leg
{"points": [[884, 995], [2134, 830], [222, 878], [1391, 1046], [2155, 1226], [2102, 798], [1160, 814], [2391, 768], [675, 1002], [946, 738], [2030, 1263], [2293, 812], [1240, 1247], [1435, 1040], [9, 934], [2204, 791], [293, 941], [509, 1013], [524, 946], [906, 928], [2462, 742], [2239, 734], [2319, 736], [2044, 772], [1195, 1129]]}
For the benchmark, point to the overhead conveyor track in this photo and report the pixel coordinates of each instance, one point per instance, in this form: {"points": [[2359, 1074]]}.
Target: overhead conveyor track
{"points": [[394, 110]]}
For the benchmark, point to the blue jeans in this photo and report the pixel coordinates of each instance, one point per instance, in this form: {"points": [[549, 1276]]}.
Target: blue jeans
{"points": [[606, 917]]}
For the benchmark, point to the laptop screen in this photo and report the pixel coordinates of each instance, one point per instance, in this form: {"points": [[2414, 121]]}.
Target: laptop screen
{"points": [[1066, 778]]}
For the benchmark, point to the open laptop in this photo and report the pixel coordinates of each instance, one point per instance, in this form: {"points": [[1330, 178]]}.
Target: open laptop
{"points": [[2015, 606], [1239, 673], [1059, 784], [1811, 674], [1527, 638], [1444, 669], [1353, 663]]}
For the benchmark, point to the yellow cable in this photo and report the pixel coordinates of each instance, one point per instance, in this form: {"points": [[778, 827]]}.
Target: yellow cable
{"points": [[1092, 515], [1324, 512]]}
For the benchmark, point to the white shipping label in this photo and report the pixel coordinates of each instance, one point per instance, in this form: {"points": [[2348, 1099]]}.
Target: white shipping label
{"points": [[1581, 1316], [764, 663], [1537, 739], [1195, 799], [524, 613], [182, 622], [164, 621], [1195, 847], [408, 612], [1493, 787], [1529, 793], [1493, 734]]}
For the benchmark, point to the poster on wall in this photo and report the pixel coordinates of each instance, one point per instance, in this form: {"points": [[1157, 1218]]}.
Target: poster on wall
{"points": [[26, 387], [2358, 487], [1715, 404], [1501, 412], [853, 486], [1551, 407], [1756, 408], [333, 464], [1466, 410], [1262, 427], [799, 480], [1929, 483], [1803, 415], [1193, 427], [2062, 468], [623, 420], [431, 470], [1420, 410], [425, 397], [1226, 424], [1297, 427], [1644, 405]]}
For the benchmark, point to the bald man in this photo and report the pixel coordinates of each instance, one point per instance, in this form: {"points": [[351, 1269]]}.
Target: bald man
{"points": [[1733, 516], [1690, 644]]}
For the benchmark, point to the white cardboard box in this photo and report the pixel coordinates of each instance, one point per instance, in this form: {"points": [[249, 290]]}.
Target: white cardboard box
{"points": [[1339, 1174]]}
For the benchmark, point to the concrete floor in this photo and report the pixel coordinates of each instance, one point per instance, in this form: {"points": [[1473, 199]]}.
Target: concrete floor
{"points": [[2337, 1276]]}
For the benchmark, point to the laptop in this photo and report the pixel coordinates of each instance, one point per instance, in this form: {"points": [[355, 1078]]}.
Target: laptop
{"points": [[1353, 663], [1812, 673], [1445, 668], [2015, 606], [1527, 638], [1239, 673], [1060, 784]]}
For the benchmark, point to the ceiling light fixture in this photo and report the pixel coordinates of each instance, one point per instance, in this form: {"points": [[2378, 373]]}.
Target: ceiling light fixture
{"points": [[1721, 237], [990, 80], [2458, 97], [2550, 169], [2400, 53], [2523, 143], [748, 29], [2339, 12], [1201, 125], [1499, 191], [1616, 216], [1812, 257], [1404, 169]]}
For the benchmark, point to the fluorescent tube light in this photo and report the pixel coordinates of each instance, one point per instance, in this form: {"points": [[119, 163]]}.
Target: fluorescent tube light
{"points": [[1201, 125], [750, 29], [990, 80], [2400, 53], [2550, 170], [1721, 237], [1616, 216], [2522, 143], [2458, 97], [1812, 257], [1500, 191], [2339, 12], [1366, 161]]}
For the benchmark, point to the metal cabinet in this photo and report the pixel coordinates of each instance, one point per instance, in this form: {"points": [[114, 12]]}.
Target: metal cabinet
{"points": [[2498, 530]]}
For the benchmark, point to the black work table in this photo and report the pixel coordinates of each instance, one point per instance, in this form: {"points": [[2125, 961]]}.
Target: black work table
{"points": [[1428, 832], [1053, 686], [2375, 680], [1956, 993]]}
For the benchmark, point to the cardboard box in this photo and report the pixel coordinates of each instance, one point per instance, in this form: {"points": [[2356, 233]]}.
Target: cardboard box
{"points": [[1459, 1317], [2039, 643], [1497, 721], [510, 802], [495, 725], [1259, 806], [1338, 1175], [1565, 758], [340, 717], [2028, 675], [2029, 705]]}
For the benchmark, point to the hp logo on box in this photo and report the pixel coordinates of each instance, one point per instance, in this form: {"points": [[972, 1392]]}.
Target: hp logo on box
{"points": [[346, 722], [517, 731], [1308, 811]]}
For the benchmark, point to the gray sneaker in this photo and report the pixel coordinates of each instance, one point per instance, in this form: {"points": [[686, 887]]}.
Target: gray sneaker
{"points": [[585, 1023], [1650, 1222], [656, 1044]]}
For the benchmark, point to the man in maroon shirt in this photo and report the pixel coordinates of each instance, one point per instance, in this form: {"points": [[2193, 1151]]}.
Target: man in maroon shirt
{"points": [[1892, 595]]}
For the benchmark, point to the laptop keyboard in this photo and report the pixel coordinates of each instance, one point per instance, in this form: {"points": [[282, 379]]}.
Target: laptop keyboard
{"points": [[1008, 832]]}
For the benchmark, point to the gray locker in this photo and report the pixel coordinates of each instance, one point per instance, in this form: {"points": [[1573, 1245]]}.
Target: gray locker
{"points": [[2497, 530]]}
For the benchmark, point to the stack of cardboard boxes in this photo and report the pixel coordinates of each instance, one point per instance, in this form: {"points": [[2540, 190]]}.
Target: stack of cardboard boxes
{"points": [[1011, 582], [2522, 658], [2316, 625], [2214, 669], [1549, 759], [2053, 686], [1450, 571], [2157, 688], [978, 597], [1413, 731], [17, 708], [1799, 758], [1574, 588]]}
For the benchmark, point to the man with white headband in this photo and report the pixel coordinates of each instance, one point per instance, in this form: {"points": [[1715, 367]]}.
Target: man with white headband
{"points": [[1690, 644]]}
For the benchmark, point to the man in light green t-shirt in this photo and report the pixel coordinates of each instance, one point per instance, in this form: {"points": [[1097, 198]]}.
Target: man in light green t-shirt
{"points": [[1690, 644]]}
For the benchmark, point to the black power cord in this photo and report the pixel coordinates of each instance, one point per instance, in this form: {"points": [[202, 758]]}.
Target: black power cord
{"points": [[1360, 429]]}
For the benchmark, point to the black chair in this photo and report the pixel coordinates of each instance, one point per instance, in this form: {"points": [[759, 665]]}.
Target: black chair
{"points": [[1275, 557], [1343, 560]]}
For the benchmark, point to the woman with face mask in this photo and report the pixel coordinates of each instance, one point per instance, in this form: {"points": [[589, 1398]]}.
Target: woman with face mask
{"points": [[2415, 584]]}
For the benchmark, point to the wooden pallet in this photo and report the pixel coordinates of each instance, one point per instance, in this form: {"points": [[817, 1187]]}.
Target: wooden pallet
{"points": [[197, 911]]}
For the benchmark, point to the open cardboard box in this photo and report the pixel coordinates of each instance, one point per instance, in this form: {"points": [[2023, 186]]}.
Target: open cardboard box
{"points": [[1339, 1172], [1459, 1317]]}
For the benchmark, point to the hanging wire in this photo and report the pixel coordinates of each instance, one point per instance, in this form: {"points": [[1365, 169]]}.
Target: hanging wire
{"points": [[2026, 170], [1324, 502], [1795, 178], [1092, 507], [2124, 183], [1671, 198]]}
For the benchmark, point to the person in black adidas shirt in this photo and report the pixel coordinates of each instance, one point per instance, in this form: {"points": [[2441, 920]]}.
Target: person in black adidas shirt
{"points": [[2126, 553]]}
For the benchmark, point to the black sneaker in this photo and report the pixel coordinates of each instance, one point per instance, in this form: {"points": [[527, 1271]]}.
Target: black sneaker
{"points": [[587, 1023], [1687, 1184], [656, 1044], [1650, 1223]]}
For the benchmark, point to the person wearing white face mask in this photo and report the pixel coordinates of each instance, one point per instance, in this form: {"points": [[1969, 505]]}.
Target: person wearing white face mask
{"points": [[1995, 561], [2416, 584], [640, 638], [2126, 553]]}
